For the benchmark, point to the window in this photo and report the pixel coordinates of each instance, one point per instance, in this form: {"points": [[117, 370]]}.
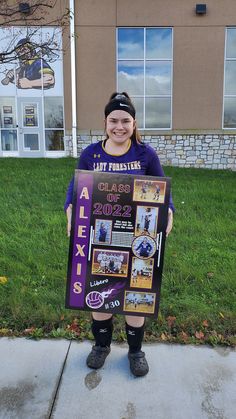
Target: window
{"points": [[229, 114], [53, 115], [8, 130], [144, 71], [9, 140], [31, 142]]}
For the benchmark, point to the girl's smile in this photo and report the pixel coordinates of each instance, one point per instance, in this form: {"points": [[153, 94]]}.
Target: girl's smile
{"points": [[119, 127]]}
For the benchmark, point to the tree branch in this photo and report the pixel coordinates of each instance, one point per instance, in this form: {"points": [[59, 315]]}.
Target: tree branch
{"points": [[39, 14]]}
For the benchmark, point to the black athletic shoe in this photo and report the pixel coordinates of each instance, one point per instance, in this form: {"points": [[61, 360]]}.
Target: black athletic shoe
{"points": [[138, 363], [97, 356]]}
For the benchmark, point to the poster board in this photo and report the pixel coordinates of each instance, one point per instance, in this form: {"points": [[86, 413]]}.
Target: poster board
{"points": [[117, 243]]}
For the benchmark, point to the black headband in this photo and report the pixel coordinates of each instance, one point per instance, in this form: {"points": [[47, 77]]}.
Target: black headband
{"points": [[120, 102]]}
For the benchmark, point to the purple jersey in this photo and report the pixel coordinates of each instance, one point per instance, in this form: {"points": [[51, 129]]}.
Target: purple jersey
{"points": [[139, 159]]}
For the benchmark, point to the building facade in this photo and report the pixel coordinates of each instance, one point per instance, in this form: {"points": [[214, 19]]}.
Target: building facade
{"points": [[178, 65]]}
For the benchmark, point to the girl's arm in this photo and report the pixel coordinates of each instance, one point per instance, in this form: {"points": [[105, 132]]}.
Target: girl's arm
{"points": [[155, 169], [81, 164]]}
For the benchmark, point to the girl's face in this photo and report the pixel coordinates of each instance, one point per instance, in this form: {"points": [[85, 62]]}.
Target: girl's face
{"points": [[119, 126]]}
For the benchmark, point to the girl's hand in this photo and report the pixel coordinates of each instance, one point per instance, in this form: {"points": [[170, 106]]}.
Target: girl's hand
{"points": [[170, 222], [69, 215]]}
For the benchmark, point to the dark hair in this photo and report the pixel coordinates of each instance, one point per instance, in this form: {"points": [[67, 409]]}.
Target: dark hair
{"points": [[136, 135]]}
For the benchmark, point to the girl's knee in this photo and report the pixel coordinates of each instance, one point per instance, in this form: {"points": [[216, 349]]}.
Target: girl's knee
{"points": [[135, 321], [101, 316]]}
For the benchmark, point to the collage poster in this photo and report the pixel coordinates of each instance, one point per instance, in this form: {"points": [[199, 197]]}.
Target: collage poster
{"points": [[117, 243]]}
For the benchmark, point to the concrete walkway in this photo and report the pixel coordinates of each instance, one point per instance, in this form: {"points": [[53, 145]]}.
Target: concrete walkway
{"points": [[49, 379]]}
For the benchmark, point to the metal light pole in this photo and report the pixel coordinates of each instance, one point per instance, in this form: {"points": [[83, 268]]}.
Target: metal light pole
{"points": [[73, 77]]}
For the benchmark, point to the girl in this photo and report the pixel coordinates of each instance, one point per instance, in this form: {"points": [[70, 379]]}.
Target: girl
{"points": [[121, 151], [102, 233], [144, 248]]}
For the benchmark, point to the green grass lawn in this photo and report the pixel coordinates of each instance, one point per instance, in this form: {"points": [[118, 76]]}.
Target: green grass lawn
{"points": [[198, 301]]}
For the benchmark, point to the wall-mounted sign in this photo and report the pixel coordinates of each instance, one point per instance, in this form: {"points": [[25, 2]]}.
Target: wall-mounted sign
{"points": [[30, 115], [7, 109], [7, 120]]}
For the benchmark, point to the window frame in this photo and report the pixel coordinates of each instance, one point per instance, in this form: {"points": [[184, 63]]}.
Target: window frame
{"points": [[224, 79]]}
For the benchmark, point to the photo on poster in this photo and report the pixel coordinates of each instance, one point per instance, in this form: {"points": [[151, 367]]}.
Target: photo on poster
{"points": [[102, 231], [144, 247], [110, 263], [141, 273], [149, 191], [146, 221], [139, 302]]}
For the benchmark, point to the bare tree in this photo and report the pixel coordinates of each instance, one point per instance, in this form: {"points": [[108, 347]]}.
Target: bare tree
{"points": [[32, 16]]}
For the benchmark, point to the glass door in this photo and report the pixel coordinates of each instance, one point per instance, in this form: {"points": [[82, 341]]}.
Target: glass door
{"points": [[31, 129]]}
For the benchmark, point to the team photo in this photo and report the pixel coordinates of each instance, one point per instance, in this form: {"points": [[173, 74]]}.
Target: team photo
{"points": [[109, 262]]}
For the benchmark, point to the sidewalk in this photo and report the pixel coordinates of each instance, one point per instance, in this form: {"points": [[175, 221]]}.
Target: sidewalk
{"points": [[49, 379]]}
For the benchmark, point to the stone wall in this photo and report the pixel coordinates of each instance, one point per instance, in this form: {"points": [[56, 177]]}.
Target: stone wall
{"points": [[211, 151]]}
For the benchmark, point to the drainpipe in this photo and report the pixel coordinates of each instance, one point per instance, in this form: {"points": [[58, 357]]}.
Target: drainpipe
{"points": [[73, 77]]}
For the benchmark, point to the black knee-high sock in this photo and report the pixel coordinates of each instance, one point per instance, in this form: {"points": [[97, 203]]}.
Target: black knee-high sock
{"points": [[102, 332], [134, 337]]}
